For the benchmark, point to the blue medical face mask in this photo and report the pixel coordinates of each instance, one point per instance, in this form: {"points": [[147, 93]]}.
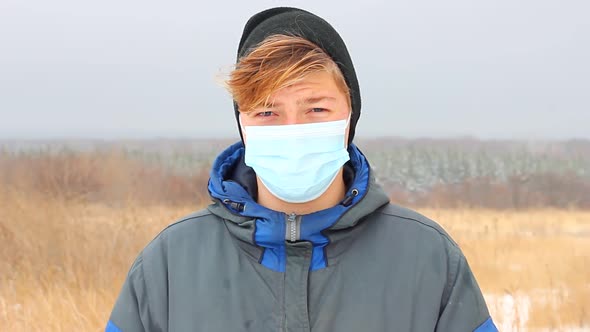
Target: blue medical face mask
{"points": [[297, 163]]}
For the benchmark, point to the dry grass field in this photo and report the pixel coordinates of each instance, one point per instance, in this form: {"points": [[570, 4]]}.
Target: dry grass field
{"points": [[533, 266], [62, 264]]}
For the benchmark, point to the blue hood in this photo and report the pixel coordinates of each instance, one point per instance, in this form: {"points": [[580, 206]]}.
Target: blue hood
{"points": [[233, 184]]}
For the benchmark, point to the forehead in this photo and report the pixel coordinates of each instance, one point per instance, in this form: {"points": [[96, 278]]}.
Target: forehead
{"points": [[315, 85]]}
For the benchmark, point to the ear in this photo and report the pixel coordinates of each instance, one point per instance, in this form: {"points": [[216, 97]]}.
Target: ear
{"points": [[238, 114]]}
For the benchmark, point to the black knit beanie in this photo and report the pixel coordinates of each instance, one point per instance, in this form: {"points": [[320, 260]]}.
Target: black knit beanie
{"points": [[298, 22]]}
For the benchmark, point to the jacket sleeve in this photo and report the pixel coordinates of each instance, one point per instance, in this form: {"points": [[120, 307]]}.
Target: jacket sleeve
{"points": [[130, 313], [463, 304]]}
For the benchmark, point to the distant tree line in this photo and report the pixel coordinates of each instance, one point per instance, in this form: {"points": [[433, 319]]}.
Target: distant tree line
{"points": [[472, 173], [442, 173]]}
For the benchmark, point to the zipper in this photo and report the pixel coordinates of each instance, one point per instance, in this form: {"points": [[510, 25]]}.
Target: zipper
{"points": [[292, 230]]}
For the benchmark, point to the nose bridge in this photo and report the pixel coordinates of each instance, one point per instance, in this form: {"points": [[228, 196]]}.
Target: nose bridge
{"points": [[291, 114]]}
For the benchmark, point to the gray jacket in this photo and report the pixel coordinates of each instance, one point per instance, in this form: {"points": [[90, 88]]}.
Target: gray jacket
{"points": [[364, 265]]}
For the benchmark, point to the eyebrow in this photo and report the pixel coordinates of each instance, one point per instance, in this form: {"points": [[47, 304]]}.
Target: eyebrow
{"points": [[306, 101]]}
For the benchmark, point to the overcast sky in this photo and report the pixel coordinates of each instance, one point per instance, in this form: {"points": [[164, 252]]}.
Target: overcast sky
{"points": [[427, 68]]}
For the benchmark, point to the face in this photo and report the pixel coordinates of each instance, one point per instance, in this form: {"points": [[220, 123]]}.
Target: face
{"points": [[316, 98]]}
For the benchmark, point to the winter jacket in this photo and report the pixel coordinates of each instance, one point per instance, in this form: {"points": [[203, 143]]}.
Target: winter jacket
{"points": [[362, 265]]}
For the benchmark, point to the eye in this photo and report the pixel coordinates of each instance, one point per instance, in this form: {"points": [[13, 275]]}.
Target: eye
{"points": [[264, 114], [318, 110]]}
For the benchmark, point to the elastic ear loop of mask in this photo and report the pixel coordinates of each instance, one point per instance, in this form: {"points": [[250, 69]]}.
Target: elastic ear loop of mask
{"points": [[241, 125]]}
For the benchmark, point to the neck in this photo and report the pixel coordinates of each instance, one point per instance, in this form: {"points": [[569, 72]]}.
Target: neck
{"points": [[333, 195]]}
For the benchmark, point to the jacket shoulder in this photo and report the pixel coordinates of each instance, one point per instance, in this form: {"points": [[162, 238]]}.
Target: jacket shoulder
{"points": [[396, 213], [198, 222], [148, 275], [433, 239], [200, 216]]}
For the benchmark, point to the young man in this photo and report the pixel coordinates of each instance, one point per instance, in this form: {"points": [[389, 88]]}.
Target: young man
{"points": [[299, 237]]}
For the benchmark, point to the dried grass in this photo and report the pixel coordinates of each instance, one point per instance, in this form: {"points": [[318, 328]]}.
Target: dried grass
{"points": [[62, 263], [541, 257]]}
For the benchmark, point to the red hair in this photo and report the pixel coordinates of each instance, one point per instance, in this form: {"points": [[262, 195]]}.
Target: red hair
{"points": [[275, 63]]}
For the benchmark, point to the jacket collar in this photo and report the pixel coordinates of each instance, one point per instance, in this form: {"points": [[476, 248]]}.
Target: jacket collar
{"points": [[232, 186]]}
